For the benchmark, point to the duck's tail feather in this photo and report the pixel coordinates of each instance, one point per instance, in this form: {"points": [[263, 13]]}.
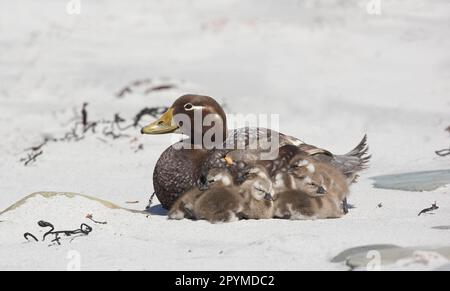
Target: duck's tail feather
{"points": [[361, 150], [354, 161]]}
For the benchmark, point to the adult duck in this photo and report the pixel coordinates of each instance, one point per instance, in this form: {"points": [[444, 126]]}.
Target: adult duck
{"points": [[204, 123]]}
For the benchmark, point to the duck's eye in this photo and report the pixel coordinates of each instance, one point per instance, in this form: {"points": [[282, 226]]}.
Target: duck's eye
{"points": [[301, 163], [260, 190], [291, 168], [188, 106], [263, 194], [248, 175], [297, 166]]}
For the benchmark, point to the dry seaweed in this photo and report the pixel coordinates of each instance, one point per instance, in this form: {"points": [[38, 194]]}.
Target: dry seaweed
{"points": [[429, 209], [128, 89], [106, 130], [443, 152], [83, 230]]}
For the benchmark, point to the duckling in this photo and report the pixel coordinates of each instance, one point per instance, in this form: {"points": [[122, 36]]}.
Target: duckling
{"points": [[226, 201], [220, 205], [307, 187], [184, 205], [298, 205], [317, 178], [258, 190], [219, 201], [215, 202], [296, 170], [223, 201]]}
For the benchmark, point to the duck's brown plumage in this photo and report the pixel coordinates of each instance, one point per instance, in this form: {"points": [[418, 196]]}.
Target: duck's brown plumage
{"points": [[175, 173]]}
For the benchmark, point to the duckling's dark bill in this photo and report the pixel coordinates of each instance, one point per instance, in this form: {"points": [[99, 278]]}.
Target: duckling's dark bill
{"points": [[161, 126]]}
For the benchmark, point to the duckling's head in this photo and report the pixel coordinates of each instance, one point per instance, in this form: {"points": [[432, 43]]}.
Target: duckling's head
{"points": [[301, 165], [257, 183], [219, 177], [281, 163], [305, 177], [201, 118], [293, 169]]}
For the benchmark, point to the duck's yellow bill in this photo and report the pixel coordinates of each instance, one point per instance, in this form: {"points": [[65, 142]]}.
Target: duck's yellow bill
{"points": [[161, 126]]}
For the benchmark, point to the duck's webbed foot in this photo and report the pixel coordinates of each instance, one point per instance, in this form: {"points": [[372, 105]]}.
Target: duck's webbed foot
{"points": [[242, 216], [188, 213]]}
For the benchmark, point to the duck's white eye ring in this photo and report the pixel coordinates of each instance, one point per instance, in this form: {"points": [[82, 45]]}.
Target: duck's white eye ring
{"points": [[188, 106]]}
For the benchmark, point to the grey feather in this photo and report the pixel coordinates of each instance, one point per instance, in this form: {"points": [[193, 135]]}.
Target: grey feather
{"points": [[351, 163]]}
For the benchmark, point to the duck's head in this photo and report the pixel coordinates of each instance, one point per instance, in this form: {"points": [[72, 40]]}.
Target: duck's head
{"points": [[199, 117], [219, 176], [282, 161], [284, 169]]}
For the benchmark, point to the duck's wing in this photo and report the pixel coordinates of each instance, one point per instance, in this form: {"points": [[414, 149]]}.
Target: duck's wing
{"points": [[354, 161], [313, 150], [349, 164], [252, 143], [248, 144], [251, 138], [254, 140]]}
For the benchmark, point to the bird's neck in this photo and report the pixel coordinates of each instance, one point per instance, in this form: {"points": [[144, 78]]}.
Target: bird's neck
{"points": [[208, 138]]}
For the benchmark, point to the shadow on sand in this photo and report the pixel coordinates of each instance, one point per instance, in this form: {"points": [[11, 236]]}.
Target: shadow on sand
{"points": [[157, 210]]}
